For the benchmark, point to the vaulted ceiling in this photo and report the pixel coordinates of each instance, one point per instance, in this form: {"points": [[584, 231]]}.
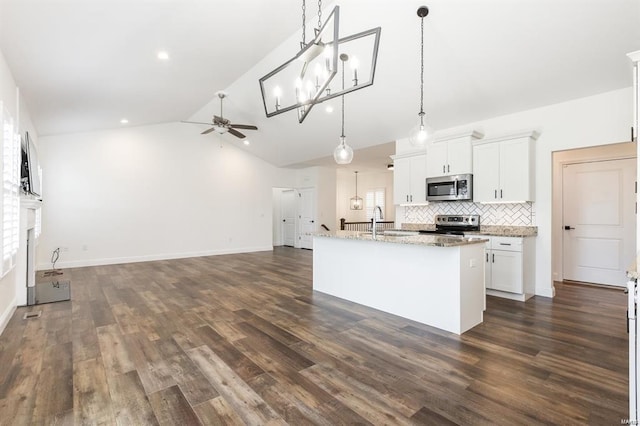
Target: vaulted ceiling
{"points": [[83, 65]]}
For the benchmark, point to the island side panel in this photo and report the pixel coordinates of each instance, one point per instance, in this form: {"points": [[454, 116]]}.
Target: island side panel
{"points": [[472, 290], [418, 282]]}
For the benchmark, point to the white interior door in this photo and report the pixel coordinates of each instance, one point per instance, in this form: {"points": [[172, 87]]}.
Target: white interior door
{"points": [[306, 217], [289, 217], [599, 221]]}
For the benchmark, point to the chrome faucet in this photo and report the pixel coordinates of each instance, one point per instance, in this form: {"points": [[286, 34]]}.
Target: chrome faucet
{"points": [[373, 220]]}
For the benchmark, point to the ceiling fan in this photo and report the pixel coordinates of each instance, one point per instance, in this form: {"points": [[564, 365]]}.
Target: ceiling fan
{"points": [[222, 125]]}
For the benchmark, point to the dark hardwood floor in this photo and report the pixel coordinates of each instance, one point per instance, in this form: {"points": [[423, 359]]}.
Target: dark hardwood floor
{"points": [[243, 339]]}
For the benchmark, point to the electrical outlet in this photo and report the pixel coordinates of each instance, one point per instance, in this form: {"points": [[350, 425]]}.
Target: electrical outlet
{"points": [[472, 263]]}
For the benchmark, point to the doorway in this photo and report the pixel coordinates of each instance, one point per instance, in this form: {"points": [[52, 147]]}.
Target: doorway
{"points": [[599, 221], [594, 219], [294, 217]]}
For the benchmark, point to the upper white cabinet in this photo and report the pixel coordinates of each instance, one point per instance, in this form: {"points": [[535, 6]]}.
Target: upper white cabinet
{"points": [[503, 168], [409, 185], [451, 155]]}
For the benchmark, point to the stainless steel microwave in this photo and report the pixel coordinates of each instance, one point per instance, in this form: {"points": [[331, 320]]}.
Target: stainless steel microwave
{"points": [[450, 188]]}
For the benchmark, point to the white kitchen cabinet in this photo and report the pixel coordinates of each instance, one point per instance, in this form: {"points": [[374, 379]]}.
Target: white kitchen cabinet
{"points": [[409, 174], [503, 168], [451, 156], [509, 267]]}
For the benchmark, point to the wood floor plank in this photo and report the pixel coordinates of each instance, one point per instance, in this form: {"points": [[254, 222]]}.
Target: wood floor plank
{"points": [[91, 399], [54, 394], [217, 411], [116, 357], [130, 403], [251, 408], [172, 408]]}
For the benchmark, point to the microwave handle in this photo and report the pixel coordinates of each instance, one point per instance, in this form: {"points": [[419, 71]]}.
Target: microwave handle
{"points": [[455, 187]]}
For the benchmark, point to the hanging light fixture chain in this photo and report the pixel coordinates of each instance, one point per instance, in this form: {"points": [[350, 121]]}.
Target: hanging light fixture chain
{"points": [[304, 25], [319, 14]]}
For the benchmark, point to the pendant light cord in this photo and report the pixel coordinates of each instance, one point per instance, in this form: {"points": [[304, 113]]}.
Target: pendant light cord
{"points": [[319, 14], [304, 25], [421, 71], [342, 135]]}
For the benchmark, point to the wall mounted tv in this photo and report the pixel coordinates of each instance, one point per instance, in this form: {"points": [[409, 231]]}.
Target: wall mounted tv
{"points": [[30, 167]]}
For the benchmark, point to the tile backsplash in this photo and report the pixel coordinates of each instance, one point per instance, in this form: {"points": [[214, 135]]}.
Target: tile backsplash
{"points": [[520, 214]]}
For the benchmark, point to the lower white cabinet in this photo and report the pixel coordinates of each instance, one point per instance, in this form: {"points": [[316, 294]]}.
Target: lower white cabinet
{"points": [[509, 267]]}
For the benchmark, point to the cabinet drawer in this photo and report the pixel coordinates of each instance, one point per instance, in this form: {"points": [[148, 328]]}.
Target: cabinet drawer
{"points": [[506, 243]]}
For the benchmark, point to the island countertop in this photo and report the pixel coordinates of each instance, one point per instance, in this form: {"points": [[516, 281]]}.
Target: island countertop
{"points": [[423, 240]]}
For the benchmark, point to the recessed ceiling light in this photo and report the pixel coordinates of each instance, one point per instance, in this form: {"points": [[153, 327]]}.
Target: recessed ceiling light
{"points": [[246, 142], [329, 109], [163, 55], [124, 121]]}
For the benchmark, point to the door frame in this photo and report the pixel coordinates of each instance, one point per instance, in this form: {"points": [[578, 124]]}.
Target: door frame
{"points": [[618, 151]]}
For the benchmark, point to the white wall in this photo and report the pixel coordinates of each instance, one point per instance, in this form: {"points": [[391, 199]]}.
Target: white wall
{"points": [[595, 120], [346, 188], [152, 192]]}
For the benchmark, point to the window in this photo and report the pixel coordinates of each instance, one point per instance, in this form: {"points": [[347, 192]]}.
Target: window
{"points": [[10, 149], [375, 197]]}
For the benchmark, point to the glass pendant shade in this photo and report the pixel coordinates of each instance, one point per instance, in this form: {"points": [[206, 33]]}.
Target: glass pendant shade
{"points": [[343, 154], [421, 135]]}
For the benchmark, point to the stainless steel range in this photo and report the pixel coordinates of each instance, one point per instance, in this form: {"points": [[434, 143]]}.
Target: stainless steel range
{"points": [[455, 224]]}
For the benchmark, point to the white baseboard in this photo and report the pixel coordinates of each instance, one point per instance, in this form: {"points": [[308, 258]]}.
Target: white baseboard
{"points": [[7, 314], [147, 258]]}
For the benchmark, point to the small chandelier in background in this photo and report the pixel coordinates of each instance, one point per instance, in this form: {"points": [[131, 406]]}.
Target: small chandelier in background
{"points": [[422, 133], [343, 154], [355, 203], [307, 78]]}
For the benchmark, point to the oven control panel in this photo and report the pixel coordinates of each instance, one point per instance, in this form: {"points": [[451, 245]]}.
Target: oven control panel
{"points": [[470, 220]]}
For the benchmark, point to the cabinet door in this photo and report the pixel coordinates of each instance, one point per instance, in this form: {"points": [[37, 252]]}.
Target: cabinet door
{"points": [[418, 192], [506, 271], [514, 170], [486, 173], [459, 157], [437, 160], [401, 180]]}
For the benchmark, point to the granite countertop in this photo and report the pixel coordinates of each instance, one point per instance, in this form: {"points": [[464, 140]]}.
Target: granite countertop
{"points": [[490, 230], [421, 240]]}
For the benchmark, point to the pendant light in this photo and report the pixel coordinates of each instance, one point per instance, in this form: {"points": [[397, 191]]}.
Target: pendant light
{"points": [[422, 133], [343, 154], [355, 203]]}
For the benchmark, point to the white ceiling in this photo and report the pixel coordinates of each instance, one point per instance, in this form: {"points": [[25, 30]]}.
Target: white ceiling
{"points": [[82, 65]]}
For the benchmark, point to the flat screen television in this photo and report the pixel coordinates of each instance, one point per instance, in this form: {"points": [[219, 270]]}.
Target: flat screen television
{"points": [[30, 167]]}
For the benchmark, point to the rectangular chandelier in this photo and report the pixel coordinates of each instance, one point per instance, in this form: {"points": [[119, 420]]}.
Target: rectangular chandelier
{"points": [[307, 78]]}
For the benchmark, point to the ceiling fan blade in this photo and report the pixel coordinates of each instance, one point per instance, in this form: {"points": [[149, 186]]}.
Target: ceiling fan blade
{"points": [[206, 132], [244, 126], [236, 133], [195, 122]]}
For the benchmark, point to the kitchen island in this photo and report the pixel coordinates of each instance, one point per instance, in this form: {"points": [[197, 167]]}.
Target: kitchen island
{"points": [[433, 279]]}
